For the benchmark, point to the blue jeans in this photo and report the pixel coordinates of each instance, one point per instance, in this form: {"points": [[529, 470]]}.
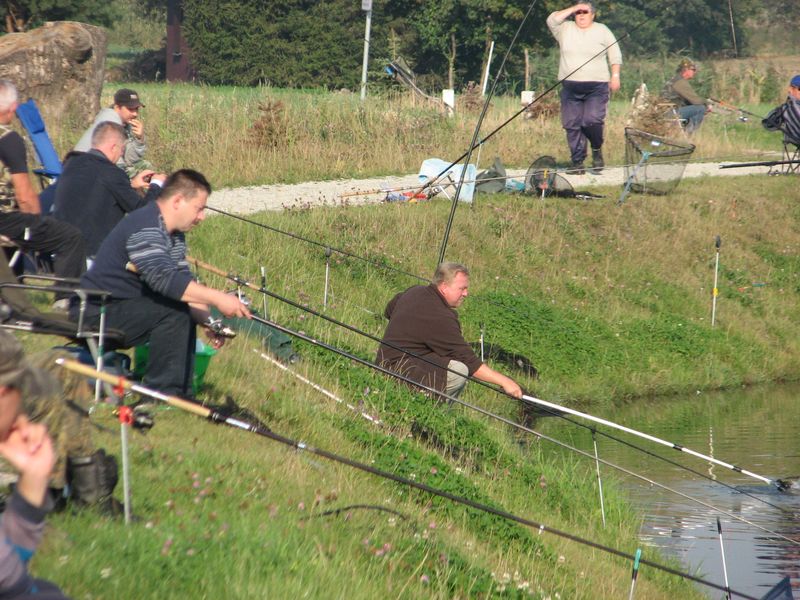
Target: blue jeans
{"points": [[693, 115]]}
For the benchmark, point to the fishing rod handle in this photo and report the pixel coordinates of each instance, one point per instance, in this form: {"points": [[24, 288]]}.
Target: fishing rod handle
{"points": [[89, 371]]}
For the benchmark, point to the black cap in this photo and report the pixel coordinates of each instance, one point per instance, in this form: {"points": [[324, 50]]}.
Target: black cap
{"points": [[127, 98]]}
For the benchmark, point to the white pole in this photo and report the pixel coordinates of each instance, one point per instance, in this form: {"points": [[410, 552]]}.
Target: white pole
{"points": [[488, 65], [724, 565], [646, 436], [599, 480], [367, 6], [715, 293]]}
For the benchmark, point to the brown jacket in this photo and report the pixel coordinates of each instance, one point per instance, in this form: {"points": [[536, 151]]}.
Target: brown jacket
{"points": [[421, 323]]}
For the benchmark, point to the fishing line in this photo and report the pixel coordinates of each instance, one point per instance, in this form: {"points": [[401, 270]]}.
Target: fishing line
{"points": [[549, 410], [475, 134], [336, 511], [216, 417], [452, 399], [349, 254], [506, 122]]}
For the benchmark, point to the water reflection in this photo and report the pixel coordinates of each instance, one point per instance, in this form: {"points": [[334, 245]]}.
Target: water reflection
{"points": [[755, 429]]}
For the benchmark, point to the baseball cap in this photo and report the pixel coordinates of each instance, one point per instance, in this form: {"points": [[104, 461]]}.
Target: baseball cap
{"points": [[127, 98], [16, 372], [795, 82]]}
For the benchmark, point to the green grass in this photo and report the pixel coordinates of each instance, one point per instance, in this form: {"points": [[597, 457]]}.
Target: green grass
{"points": [[248, 136], [611, 302]]}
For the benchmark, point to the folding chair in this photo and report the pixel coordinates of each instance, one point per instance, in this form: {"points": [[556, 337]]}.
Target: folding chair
{"points": [[18, 313], [786, 119], [51, 168], [791, 154]]}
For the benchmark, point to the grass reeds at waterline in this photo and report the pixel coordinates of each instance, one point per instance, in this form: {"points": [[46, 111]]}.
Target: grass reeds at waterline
{"points": [[238, 136]]}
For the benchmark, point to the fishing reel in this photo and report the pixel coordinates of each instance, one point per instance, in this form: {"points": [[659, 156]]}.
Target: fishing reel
{"points": [[218, 328]]}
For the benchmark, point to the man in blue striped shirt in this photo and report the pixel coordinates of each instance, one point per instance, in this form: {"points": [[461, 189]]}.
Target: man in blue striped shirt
{"points": [[154, 297]]}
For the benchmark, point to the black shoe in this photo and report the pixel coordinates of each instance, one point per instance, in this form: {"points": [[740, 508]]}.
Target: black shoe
{"points": [[577, 168], [597, 162]]}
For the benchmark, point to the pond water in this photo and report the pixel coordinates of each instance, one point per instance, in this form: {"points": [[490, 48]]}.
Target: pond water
{"points": [[753, 428]]}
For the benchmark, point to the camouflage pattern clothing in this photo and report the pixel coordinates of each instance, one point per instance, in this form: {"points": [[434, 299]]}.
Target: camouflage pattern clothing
{"points": [[8, 199], [65, 415]]}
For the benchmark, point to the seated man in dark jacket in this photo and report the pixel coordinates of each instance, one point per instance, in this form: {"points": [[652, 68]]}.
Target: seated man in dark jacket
{"points": [[93, 194], [424, 326]]}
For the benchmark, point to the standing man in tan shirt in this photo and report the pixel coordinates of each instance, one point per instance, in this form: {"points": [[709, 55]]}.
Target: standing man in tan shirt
{"points": [[587, 49]]}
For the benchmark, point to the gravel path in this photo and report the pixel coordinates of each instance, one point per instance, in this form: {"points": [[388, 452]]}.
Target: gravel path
{"points": [[351, 192]]}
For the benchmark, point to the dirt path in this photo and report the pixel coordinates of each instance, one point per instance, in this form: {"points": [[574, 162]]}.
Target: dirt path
{"points": [[351, 192]]}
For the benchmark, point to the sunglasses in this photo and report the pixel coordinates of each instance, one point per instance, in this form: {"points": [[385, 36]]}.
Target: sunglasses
{"points": [[582, 12]]}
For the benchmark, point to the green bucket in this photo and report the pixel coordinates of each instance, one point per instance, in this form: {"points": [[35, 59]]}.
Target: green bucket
{"points": [[202, 358]]}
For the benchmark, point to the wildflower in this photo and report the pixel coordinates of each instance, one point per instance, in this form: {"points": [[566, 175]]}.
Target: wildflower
{"points": [[190, 552], [105, 573], [425, 579], [562, 559], [167, 545]]}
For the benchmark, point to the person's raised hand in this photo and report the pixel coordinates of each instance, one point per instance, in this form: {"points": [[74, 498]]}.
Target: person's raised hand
{"points": [[28, 448], [137, 127]]}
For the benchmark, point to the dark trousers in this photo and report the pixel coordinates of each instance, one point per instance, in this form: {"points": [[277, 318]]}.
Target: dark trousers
{"points": [[46, 234], [583, 112], [168, 327]]}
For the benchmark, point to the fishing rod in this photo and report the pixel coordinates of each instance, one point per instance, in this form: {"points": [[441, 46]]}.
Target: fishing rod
{"points": [[317, 243], [217, 417], [766, 163], [551, 409], [778, 483], [729, 106], [475, 144], [487, 413], [531, 103], [327, 247], [475, 134]]}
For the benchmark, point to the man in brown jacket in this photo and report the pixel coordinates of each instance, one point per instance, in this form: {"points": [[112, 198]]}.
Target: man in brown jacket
{"points": [[423, 323]]}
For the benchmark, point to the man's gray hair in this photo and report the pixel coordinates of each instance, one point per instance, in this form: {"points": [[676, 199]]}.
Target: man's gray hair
{"points": [[447, 271], [592, 7], [107, 130], [8, 95]]}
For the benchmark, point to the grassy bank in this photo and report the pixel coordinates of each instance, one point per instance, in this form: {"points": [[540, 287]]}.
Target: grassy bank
{"points": [[609, 302], [262, 135]]}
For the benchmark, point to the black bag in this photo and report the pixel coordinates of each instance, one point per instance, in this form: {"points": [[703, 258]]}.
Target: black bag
{"points": [[774, 120]]}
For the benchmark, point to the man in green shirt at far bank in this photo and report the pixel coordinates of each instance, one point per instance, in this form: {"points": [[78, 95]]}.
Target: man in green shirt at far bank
{"points": [[690, 107]]}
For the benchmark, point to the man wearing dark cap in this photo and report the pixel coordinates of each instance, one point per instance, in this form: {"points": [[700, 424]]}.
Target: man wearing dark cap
{"points": [[125, 112], [678, 91], [28, 448]]}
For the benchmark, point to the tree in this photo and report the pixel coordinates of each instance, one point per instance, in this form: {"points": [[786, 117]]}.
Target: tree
{"points": [[21, 15]]}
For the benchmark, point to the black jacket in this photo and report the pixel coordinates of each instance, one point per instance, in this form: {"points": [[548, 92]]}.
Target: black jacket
{"points": [[94, 194]]}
